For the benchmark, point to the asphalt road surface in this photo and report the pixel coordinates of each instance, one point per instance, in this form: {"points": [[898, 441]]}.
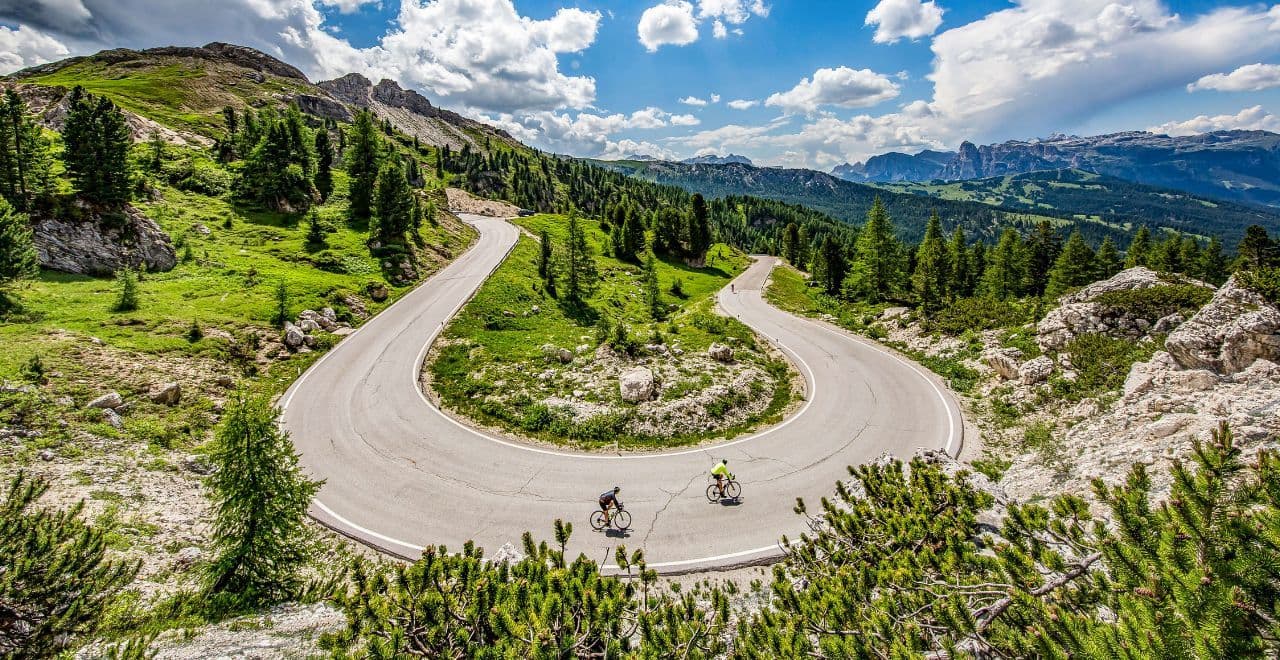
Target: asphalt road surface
{"points": [[399, 474]]}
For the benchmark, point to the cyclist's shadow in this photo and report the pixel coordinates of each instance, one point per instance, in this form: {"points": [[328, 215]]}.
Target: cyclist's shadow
{"points": [[728, 501], [615, 533]]}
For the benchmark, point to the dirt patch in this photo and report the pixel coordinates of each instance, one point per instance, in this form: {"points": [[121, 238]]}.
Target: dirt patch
{"points": [[461, 201]]}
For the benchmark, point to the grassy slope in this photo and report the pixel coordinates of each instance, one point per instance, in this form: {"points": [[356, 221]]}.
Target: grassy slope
{"points": [[496, 328]]}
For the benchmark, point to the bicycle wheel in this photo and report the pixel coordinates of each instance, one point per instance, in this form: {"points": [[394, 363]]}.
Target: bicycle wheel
{"points": [[733, 490], [622, 520], [597, 520], [713, 493]]}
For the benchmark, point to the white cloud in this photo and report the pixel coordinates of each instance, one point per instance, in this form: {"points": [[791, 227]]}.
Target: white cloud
{"points": [[1248, 119], [715, 98], [897, 19], [1248, 78], [742, 104], [26, 47], [842, 86], [694, 101], [347, 6], [718, 30], [670, 23], [685, 120], [732, 11]]}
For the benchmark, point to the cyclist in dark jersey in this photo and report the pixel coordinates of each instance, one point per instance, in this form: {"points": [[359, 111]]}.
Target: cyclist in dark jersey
{"points": [[609, 498]]}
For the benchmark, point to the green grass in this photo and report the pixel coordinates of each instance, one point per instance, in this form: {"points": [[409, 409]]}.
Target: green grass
{"points": [[500, 336]]}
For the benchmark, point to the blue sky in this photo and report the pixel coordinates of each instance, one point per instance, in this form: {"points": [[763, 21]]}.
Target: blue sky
{"points": [[820, 82]]}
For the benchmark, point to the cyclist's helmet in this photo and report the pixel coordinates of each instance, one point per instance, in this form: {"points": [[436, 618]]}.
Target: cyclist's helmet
{"points": [[724, 461], [617, 489]]}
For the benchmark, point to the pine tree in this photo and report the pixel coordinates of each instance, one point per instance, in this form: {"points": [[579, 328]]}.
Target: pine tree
{"points": [[96, 140], [324, 165], [1075, 267], [1108, 259], [155, 149], [280, 315], [961, 268], [791, 243], [1257, 250], [1213, 266], [668, 232], [18, 258], [1042, 247], [25, 161], [1005, 267], [1139, 252], [833, 267], [439, 165], [278, 168], [632, 234], [127, 299], [877, 254], [394, 203], [932, 275], [363, 159], [699, 230], [652, 290], [260, 500], [316, 234], [580, 267], [56, 580], [546, 263]]}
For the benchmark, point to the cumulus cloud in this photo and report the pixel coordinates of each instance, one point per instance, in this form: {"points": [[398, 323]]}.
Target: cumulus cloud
{"points": [[898, 19], [26, 47], [685, 120], [591, 134], [842, 86], [1248, 78], [742, 104], [694, 101], [347, 6], [670, 23], [467, 54], [1248, 119]]}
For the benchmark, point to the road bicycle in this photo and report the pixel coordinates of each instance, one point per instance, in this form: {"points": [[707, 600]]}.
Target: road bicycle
{"points": [[620, 520], [732, 491]]}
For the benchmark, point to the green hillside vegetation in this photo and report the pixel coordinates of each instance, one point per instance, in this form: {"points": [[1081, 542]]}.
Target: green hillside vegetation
{"points": [[1115, 201], [490, 357]]}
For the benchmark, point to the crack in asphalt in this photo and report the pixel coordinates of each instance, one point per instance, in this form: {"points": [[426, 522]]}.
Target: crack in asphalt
{"points": [[672, 497]]}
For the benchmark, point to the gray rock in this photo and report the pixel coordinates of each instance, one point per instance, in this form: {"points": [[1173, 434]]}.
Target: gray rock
{"points": [[47, 455], [308, 326], [506, 554], [1004, 361], [113, 418], [99, 247], [188, 556], [1036, 370], [636, 385], [293, 335], [1079, 314], [169, 394], [109, 400], [1236, 328], [224, 380], [720, 353]]}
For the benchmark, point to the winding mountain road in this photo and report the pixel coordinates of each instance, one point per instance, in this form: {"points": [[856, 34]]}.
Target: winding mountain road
{"points": [[400, 474]]}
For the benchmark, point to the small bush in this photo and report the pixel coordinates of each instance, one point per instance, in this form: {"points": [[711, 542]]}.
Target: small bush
{"points": [[195, 333], [33, 371], [127, 281], [981, 314], [677, 289], [1266, 282], [1158, 301], [1102, 363]]}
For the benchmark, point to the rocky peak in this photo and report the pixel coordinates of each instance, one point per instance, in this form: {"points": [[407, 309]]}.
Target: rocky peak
{"points": [[388, 92], [352, 88]]}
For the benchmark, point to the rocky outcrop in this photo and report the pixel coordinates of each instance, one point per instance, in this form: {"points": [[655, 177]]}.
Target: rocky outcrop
{"points": [[1036, 371], [636, 385], [407, 110], [168, 394], [322, 106], [97, 246], [1003, 361], [720, 353], [1078, 313], [110, 400], [1236, 328]]}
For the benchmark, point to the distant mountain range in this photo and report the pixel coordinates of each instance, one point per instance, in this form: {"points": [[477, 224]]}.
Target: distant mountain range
{"points": [[712, 159], [1239, 166]]}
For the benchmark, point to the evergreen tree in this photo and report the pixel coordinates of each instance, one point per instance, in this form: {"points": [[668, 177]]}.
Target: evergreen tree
{"points": [[1043, 247], [1005, 268], [1108, 260], [791, 243], [315, 229], [932, 275], [1257, 250], [18, 258], [260, 500], [155, 149], [699, 230], [394, 203], [96, 140], [1139, 252], [229, 120], [281, 314], [1213, 265], [1076, 266], [546, 263], [278, 169], [56, 580], [324, 165], [127, 298], [439, 166], [878, 254], [25, 161], [668, 229], [977, 265], [363, 160], [579, 265], [652, 290], [833, 266], [632, 237], [961, 265], [1189, 255]]}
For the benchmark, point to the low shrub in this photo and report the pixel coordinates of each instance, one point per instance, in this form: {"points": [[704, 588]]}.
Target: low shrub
{"points": [[1102, 363], [1158, 301], [981, 314], [1266, 282]]}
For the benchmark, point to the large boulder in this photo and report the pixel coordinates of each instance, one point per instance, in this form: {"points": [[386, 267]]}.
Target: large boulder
{"points": [[1004, 362], [720, 353], [1036, 370], [294, 337], [98, 246], [110, 400], [168, 394], [1236, 328], [636, 385], [1080, 313]]}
